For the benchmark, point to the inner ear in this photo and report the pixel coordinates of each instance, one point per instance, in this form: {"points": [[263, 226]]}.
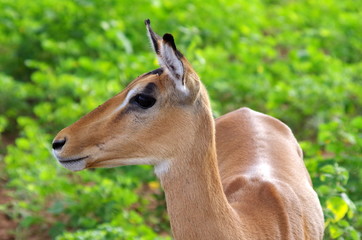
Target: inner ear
{"points": [[168, 56], [171, 58], [168, 39]]}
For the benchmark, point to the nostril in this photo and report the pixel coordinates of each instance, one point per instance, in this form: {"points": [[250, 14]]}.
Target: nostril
{"points": [[58, 144]]}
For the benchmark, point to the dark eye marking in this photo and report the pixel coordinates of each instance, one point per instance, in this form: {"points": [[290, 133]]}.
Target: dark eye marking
{"points": [[144, 101], [149, 89], [157, 71]]}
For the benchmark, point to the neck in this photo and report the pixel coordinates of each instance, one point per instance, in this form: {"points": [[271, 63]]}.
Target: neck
{"points": [[196, 203]]}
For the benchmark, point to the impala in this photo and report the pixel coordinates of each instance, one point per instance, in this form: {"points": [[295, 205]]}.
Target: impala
{"points": [[241, 176]]}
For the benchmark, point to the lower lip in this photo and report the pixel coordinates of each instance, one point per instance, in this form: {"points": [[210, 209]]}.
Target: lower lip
{"points": [[74, 164]]}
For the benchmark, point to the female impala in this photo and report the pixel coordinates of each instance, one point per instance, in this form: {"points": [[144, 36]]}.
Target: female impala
{"points": [[239, 177]]}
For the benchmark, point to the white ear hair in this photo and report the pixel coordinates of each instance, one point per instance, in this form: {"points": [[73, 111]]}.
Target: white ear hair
{"points": [[173, 65], [168, 57], [153, 37]]}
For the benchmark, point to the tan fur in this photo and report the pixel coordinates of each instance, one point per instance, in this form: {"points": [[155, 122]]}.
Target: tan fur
{"points": [[247, 180]]}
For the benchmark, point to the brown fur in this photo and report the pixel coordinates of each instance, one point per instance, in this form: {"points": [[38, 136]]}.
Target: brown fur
{"points": [[247, 180]]}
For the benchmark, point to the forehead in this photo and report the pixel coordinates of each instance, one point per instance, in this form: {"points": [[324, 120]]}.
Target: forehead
{"points": [[148, 82]]}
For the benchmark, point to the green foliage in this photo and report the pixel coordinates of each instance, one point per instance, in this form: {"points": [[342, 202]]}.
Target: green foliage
{"points": [[299, 61], [107, 231]]}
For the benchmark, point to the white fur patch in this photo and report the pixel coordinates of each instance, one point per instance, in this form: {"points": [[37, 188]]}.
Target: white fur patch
{"points": [[74, 166], [263, 170], [71, 165], [161, 168], [126, 100]]}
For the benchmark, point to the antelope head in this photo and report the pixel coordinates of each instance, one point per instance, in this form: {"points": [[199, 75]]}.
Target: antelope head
{"points": [[147, 123]]}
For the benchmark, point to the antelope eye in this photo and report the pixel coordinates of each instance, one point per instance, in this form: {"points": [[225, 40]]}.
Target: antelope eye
{"points": [[144, 101]]}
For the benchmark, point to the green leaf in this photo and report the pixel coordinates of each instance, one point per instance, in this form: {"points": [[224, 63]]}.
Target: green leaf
{"points": [[355, 235], [338, 207], [29, 221], [328, 169], [357, 122], [335, 231], [57, 207], [3, 123], [351, 206]]}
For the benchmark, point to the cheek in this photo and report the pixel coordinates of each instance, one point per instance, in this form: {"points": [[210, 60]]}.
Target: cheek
{"points": [[138, 121], [139, 134], [125, 137]]}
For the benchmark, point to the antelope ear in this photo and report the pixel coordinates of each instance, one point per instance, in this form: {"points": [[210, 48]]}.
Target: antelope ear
{"points": [[168, 56]]}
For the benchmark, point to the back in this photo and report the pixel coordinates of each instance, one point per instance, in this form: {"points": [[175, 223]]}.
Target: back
{"points": [[264, 177]]}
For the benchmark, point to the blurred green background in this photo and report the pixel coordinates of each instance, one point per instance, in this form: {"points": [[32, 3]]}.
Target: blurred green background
{"points": [[299, 61]]}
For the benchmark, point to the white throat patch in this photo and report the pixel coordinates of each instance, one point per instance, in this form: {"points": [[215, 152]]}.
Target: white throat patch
{"points": [[161, 168]]}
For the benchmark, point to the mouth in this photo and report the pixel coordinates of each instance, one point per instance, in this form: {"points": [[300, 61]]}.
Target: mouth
{"points": [[65, 161], [73, 164]]}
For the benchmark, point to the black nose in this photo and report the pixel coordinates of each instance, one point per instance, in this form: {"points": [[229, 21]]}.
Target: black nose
{"points": [[58, 144]]}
